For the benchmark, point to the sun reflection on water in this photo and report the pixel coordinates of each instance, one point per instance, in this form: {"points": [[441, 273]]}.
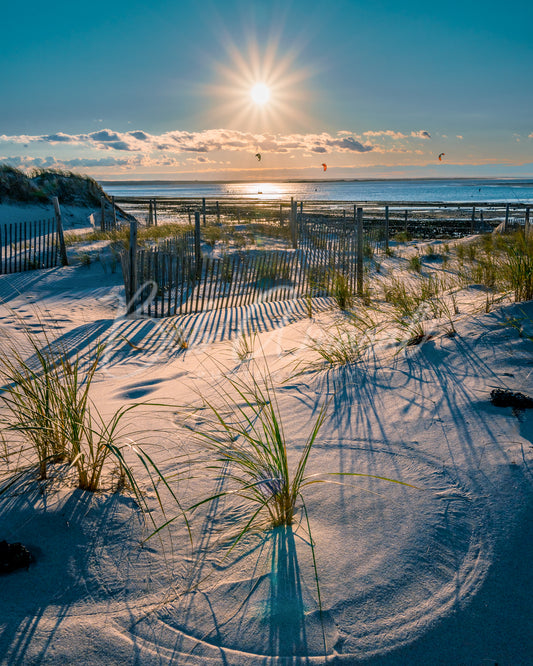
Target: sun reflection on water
{"points": [[260, 190]]}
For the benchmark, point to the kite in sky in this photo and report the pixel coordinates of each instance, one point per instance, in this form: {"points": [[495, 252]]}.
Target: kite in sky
{"points": [[325, 166], [258, 155], [441, 156]]}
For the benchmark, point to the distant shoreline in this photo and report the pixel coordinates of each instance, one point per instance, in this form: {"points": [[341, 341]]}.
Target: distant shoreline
{"points": [[506, 179]]}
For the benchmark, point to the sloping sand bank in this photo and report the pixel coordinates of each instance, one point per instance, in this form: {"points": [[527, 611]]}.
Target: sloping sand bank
{"points": [[438, 573]]}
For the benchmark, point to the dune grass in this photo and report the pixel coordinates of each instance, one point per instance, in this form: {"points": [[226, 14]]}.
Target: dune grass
{"points": [[247, 449], [48, 406], [49, 422], [246, 439], [244, 435]]}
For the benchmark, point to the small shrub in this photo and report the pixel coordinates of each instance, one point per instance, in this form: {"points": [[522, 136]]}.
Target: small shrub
{"points": [[244, 346], [341, 291], [47, 403], [415, 264], [519, 266], [402, 237], [211, 234], [404, 302], [85, 259], [338, 349], [431, 254], [246, 435], [471, 250]]}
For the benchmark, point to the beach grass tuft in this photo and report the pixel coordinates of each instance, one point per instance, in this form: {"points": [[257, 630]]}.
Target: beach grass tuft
{"points": [[50, 419]]}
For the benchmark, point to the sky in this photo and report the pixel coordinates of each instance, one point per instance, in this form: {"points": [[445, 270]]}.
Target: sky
{"points": [[130, 90]]}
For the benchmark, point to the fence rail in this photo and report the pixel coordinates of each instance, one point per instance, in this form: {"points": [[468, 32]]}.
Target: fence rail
{"points": [[171, 284], [325, 259], [28, 245], [420, 219]]}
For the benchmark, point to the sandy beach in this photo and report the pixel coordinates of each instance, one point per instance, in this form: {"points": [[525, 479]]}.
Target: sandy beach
{"points": [[266, 334], [433, 572]]}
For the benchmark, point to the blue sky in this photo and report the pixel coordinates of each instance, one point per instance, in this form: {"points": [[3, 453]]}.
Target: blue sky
{"points": [[130, 90]]}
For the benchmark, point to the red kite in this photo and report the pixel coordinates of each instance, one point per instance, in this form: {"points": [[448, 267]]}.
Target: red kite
{"points": [[441, 156], [325, 166]]}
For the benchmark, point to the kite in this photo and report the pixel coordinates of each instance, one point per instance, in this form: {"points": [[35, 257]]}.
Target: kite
{"points": [[441, 156], [325, 166], [258, 155]]}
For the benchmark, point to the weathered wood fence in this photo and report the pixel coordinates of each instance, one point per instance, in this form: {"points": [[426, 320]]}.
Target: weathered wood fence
{"points": [[419, 219], [169, 284], [175, 278], [28, 245], [326, 256]]}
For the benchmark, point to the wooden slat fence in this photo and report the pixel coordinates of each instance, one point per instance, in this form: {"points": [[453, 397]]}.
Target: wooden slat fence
{"points": [[26, 246], [171, 284], [338, 236]]}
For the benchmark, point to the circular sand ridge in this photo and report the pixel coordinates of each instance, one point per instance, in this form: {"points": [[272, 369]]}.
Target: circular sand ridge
{"points": [[391, 560], [89, 555]]}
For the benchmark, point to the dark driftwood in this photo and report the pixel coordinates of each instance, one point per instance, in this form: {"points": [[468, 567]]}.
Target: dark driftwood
{"points": [[505, 398]]}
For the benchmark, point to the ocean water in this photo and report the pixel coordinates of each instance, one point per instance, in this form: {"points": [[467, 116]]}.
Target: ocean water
{"points": [[444, 191]]}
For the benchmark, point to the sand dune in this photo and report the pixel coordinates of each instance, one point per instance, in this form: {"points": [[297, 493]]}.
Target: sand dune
{"points": [[433, 574]]}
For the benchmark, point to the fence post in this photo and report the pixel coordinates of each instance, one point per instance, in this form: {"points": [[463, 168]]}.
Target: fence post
{"points": [[62, 247], [133, 266], [150, 214], [197, 248], [203, 211], [292, 224], [359, 272], [280, 215], [406, 215], [218, 213], [473, 223], [155, 213], [527, 228], [386, 228], [102, 214], [114, 213], [506, 217]]}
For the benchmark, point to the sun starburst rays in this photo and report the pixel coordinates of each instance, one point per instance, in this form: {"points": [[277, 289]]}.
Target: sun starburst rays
{"points": [[259, 89]]}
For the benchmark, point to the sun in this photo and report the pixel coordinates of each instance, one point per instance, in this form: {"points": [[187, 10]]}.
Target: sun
{"points": [[257, 86], [260, 93]]}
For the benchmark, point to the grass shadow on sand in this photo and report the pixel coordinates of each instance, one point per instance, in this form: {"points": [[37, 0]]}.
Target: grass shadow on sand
{"points": [[88, 561]]}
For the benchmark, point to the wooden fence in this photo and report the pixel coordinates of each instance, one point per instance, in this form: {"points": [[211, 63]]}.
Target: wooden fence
{"points": [[419, 219], [28, 245], [326, 258], [168, 284]]}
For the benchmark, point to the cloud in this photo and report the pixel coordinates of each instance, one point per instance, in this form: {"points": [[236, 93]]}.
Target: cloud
{"points": [[181, 141], [58, 138], [386, 133], [459, 136], [349, 144], [53, 162], [421, 134], [141, 136], [104, 135]]}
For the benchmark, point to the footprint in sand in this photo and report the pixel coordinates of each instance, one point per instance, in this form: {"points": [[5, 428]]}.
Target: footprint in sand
{"points": [[139, 390]]}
